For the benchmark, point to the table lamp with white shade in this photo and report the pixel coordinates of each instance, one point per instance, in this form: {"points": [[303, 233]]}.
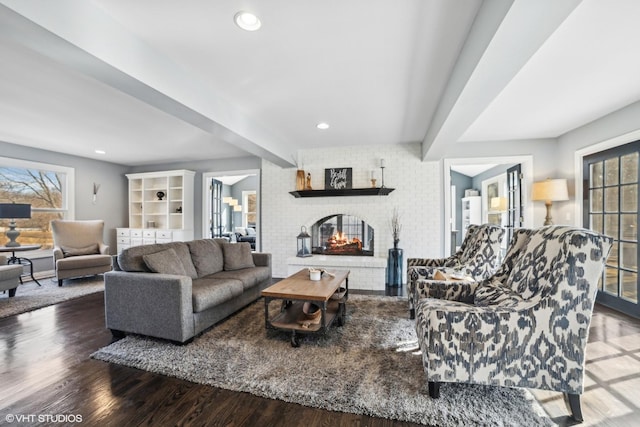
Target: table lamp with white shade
{"points": [[550, 190]]}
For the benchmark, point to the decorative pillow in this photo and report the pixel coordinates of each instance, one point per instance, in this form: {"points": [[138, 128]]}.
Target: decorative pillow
{"points": [[207, 256], [165, 262], [237, 256], [87, 250], [241, 231], [251, 231]]}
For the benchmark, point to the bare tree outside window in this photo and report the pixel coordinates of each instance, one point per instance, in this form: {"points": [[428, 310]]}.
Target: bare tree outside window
{"points": [[43, 190]]}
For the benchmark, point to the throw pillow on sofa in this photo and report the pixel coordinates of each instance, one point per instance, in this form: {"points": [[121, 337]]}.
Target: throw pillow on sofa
{"points": [[237, 256], [164, 262], [207, 256]]}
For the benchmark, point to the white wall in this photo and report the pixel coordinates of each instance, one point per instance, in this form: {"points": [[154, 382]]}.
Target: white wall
{"points": [[417, 195]]}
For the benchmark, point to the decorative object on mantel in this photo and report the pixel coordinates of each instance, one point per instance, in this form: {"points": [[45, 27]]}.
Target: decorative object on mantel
{"points": [[307, 185], [373, 179], [345, 192], [179, 209], [550, 190], [96, 187], [12, 211], [304, 243], [382, 165], [160, 195], [338, 178], [299, 175], [394, 261]]}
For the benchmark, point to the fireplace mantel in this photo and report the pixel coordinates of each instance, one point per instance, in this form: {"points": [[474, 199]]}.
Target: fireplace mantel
{"points": [[345, 192]]}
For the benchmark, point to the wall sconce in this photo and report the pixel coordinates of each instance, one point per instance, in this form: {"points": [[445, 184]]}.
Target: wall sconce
{"points": [[550, 190], [237, 208], [227, 200], [13, 211], [96, 187], [304, 243], [233, 202]]}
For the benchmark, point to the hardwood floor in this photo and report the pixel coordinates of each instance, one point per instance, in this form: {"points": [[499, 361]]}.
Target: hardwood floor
{"points": [[45, 369]]}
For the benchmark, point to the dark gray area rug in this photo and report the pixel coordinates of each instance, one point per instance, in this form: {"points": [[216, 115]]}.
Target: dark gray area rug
{"points": [[30, 296], [369, 366]]}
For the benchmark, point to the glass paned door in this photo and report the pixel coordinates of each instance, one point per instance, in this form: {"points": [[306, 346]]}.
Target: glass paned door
{"points": [[611, 207], [216, 208], [514, 196]]}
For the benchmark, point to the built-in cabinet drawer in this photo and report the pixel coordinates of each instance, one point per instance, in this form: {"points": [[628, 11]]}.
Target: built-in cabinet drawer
{"points": [[127, 237], [123, 232], [163, 234]]}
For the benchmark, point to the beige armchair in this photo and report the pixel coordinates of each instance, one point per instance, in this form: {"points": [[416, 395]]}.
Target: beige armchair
{"points": [[79, 249], [9, 276]]}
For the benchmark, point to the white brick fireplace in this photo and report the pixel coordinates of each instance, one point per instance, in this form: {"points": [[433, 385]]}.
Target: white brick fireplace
{"points": [[417, 196]]}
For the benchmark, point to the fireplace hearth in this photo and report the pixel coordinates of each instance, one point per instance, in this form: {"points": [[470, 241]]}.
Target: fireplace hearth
{"points": [[342, 234]]}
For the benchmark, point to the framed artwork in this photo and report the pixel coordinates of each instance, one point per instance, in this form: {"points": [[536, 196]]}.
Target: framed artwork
{"points": [[338, 178]]}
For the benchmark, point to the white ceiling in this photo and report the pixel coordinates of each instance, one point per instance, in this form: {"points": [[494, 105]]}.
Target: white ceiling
{"points": [[157, 81]]}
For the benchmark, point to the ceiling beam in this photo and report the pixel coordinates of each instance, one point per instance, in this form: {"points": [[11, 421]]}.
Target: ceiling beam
{"points": [[112, 55], [502, 39]]}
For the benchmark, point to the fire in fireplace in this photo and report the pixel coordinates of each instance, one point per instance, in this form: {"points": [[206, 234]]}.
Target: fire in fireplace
{"points": [[342, 235]]}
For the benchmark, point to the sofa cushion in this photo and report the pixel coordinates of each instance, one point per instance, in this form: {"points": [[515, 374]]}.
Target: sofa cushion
{"points": [[209, 292], [87, 250], [83, 261], [130, 259], [165, 262], [249, 277], [206, 256], [237, 256]]}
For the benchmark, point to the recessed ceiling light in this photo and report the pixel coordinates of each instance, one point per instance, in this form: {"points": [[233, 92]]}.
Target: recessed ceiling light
{"points": [[247, 21], [101, 152], [322, 126]]}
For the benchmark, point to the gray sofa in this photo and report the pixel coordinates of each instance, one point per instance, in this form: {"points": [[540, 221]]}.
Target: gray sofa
{"points": [[177, 290]]}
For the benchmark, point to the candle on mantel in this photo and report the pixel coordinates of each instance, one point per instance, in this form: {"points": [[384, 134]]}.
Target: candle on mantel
{"points": [[381, 163]]}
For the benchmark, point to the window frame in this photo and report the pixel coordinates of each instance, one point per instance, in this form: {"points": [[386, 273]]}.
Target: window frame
{"points": [[68, 192]]}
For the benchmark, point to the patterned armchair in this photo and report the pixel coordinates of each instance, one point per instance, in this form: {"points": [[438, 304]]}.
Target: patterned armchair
{"points": [[477, 258], [528, 324]]}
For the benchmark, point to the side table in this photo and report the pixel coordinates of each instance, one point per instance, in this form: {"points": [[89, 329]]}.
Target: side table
{"points": [[21, 260]]}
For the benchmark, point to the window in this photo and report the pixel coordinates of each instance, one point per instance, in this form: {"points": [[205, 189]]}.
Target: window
{"points": [[47, 188], [611, 182], [249, 209]]}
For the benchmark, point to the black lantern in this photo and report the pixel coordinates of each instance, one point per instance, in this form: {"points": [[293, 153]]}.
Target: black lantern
{"points": [[304, 243]]}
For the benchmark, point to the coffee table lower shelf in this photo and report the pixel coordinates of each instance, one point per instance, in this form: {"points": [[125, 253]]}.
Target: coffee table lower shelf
{"points": [[291, 317]]}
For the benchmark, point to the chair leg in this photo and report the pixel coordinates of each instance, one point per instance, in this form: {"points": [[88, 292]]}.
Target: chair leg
{"points": [[434, 389], [59, 282], [412, 313], [12, 292], [573, 404]]}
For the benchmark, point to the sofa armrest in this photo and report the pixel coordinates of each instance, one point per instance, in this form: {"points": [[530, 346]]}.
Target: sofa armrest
{"points": [[104, 249], [57, 254], [428, 262], [450, 290], [153, 304], [261, 259]]}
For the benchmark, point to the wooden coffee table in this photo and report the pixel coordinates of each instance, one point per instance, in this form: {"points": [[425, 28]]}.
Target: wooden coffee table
{"points": [[298, 289]]}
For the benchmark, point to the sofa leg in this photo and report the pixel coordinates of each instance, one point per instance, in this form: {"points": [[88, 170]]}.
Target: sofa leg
{"points": [[59, 282], [12, 292], [116, 334], [573, 404], [412, 313], [434, 389]]}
